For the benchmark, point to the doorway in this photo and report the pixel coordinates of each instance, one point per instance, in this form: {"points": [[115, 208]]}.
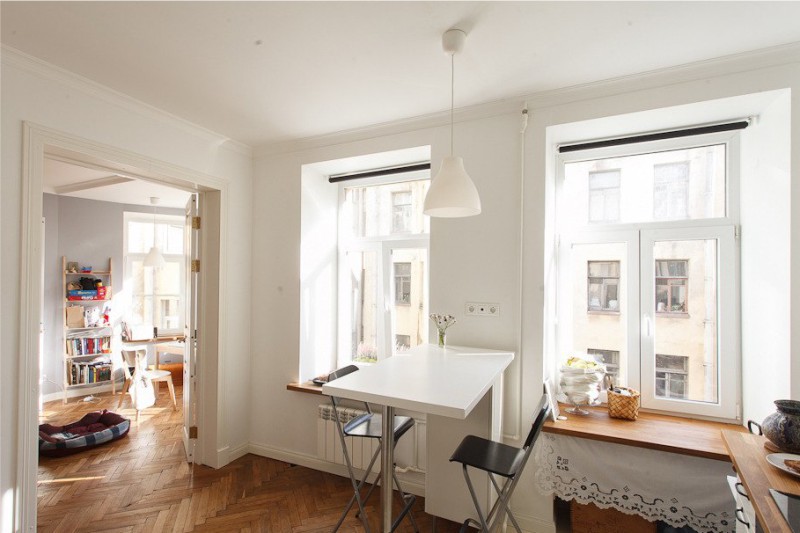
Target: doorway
{"points": [[42, 144]]}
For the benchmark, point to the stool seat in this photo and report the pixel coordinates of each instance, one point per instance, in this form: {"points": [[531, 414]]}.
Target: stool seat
{"points": [[155, 376], [158, 374]]}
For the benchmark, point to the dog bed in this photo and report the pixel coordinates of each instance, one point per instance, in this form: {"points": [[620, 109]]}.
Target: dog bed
{"points": [[92, 430]]}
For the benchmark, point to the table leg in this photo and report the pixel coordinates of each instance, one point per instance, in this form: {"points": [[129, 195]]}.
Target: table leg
{"points": [[387, 465]]}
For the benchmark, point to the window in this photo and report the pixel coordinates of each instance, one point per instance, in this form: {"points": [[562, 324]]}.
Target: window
{"points": [[402, 283], [671, 191], [603, 277], [401, 212], [672, 373], [671, 286], [402, 342], [383, 257], [627, 286], [155, 294], [610, 358], [604, 196]]}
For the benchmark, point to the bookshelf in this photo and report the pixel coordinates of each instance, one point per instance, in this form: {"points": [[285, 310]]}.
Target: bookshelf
{"points": [[89, 339]]}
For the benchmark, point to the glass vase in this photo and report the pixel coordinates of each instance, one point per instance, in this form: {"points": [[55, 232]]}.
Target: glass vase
{"points": [[442, 338]]}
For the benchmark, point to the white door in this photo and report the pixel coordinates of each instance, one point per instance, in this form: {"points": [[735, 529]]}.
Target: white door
{"points": [[190, 356]]}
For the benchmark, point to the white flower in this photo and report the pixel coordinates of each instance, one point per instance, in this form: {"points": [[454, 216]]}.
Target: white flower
{"points": [[443, 321]]}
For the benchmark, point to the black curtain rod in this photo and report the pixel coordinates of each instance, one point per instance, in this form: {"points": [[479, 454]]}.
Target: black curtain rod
{"points": [[379, 172], [674, 134]]}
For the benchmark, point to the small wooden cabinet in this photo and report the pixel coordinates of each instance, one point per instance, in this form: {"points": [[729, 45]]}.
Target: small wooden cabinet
{"points": [[89, 338]]}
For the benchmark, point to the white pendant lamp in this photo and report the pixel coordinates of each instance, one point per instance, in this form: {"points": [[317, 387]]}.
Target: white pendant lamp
{"points": [[154, 258], [452, 192]]}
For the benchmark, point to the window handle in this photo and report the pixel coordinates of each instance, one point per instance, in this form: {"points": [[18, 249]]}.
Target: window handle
{"points": [[647, 325]]}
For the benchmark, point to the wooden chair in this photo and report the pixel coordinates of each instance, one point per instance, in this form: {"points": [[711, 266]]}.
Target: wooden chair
{"points": [[155, 376]]}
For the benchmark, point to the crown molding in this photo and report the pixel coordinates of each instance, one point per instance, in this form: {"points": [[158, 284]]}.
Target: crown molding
{"points": [[716, 67], [16, 58], [395, 127]]}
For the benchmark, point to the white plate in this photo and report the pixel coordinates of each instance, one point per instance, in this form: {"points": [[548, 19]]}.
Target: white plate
{"points": [[777, 459]]}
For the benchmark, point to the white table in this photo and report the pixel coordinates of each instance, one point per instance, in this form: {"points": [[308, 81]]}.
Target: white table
{"points": [[447, 382]]}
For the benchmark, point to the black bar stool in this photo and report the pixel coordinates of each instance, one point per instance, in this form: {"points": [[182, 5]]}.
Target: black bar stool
{"points": [[368, 425], [498, 459]]}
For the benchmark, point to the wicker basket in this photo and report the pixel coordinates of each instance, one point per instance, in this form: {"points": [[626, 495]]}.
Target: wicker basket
{"points": [[622, 406]]}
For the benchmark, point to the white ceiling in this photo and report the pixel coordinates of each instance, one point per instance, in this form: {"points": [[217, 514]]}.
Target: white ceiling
{"points": [[72, 179], [265, 72]]}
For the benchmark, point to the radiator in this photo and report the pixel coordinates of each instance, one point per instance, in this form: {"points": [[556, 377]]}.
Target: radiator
{"points": [[329, 446]]}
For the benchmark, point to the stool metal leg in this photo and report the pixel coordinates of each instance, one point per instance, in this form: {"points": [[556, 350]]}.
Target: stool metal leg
{"points": [[502, 502], [483, 525], [356, 485]]}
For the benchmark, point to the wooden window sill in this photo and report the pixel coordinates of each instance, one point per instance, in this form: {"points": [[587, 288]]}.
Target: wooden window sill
{"points": [[685, 436], [306, 387]]}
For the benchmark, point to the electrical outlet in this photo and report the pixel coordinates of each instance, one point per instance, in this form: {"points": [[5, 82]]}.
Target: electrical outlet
{"points": [[482, 309]]}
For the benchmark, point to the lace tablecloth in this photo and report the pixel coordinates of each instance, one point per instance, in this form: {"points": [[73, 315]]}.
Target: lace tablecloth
{"points": [[680, 490]]}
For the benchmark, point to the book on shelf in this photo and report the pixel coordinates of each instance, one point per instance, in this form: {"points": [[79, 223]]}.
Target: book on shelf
{"points": [[88, 345]]}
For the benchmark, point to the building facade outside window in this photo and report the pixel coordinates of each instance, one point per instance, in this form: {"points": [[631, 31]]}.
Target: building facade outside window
{"points": [[604, 195], [671, 191], [629, 277], [383, 268], [155, 295], [402, 211]]}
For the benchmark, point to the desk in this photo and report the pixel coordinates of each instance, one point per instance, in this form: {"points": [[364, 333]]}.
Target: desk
{"points": [[133, 344], [447, 382], [758, 476]]}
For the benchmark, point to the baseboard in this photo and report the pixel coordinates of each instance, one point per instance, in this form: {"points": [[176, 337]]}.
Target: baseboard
{"points": [[239, 451], [80, 391], [412, 482]]}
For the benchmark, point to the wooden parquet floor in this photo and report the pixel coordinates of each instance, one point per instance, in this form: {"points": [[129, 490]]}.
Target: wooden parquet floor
{"points": [[143, 483]]}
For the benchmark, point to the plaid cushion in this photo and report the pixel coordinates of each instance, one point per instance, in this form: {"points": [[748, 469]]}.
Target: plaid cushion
{"points": [[57, 447]]}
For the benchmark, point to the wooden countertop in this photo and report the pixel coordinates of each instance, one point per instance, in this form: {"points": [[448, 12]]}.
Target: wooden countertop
{"points": [[673, 434], [758, 476], [307, 387]]}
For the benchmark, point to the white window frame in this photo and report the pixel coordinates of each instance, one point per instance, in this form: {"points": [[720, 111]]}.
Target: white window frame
{"points": [[383, 246], [129, 257], [640, 236]]}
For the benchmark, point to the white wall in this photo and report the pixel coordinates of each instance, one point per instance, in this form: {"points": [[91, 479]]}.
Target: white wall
{"points": [[766, 259], [36, 92]]}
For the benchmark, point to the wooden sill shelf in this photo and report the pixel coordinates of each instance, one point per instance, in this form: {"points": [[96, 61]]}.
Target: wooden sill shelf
{"points": [[673, 434], [307, 387]]}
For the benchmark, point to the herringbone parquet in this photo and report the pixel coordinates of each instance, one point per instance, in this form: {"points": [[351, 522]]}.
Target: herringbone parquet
{"points": [[142, 483]]}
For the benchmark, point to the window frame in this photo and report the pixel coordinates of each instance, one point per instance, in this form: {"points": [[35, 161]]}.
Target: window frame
{"points": [[728, 406], [383, 246], [129, 257]]}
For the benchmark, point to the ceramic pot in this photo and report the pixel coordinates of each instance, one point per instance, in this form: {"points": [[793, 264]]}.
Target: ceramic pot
{"points": [[782, 427]]}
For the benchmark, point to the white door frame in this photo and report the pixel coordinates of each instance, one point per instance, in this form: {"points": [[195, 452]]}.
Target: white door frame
{"points": [[39, 141]]}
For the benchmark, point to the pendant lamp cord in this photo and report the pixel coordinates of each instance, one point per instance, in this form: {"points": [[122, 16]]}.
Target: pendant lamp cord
{"points": [[452, 96]]}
